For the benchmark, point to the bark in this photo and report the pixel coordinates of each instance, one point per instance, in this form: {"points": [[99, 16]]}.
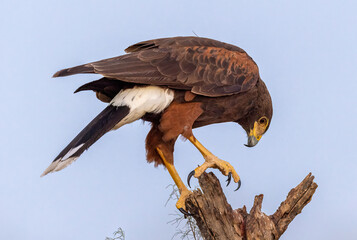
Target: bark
{"points": [[217, 220]]}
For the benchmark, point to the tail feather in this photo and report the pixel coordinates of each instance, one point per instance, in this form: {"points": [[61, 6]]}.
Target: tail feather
{"points": [[86, 68], [101, 124], [127, 106]]}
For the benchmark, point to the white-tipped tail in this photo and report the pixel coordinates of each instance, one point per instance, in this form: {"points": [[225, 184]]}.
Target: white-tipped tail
{"points": [[58, 165]]}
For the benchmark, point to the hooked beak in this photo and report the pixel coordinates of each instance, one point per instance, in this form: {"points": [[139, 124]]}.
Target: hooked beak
{"points": [[254, 136], [252, 141]]}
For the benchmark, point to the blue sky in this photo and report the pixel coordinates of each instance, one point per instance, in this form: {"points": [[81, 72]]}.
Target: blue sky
{"points": [[307, 55]]}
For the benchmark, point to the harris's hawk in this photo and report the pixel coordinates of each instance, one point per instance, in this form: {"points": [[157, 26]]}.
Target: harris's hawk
{"points": [[177, 84]]}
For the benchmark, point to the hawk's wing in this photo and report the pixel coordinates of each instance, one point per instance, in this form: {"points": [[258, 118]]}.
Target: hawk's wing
{"points": [[204, 66]]}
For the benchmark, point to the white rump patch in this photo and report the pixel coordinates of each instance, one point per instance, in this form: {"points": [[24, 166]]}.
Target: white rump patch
{"points": [[141, 100]]}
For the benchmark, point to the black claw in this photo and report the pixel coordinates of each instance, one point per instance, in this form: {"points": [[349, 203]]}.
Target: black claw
{"points": [[239, 183], [189, 177], [183, 211], [229, 179]]}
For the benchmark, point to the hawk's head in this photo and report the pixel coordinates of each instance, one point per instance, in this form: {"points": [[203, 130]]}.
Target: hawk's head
{"points": [[258, 119]]}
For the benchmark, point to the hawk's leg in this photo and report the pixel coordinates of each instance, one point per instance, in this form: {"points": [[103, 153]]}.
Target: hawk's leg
{"points": [[211, 161], [184, 192]]}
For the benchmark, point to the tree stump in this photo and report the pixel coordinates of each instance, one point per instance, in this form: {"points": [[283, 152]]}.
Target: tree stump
{"points": [[218, 221]]}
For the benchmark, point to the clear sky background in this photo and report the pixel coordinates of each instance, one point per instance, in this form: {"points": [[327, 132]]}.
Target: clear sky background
{"points": [[307, 55]]}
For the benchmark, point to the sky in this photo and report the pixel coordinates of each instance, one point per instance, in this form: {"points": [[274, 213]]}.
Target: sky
{"points": [[307, 56]]}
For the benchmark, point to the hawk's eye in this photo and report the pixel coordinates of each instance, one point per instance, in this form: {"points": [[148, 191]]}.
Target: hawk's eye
{"points": [[263, 120]]}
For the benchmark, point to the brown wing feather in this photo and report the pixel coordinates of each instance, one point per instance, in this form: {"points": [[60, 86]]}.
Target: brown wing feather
{"points": [[86, 68], [204, 66], [181, 41]]}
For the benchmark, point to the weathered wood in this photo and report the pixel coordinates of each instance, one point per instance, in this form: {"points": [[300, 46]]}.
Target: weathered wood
{"points": [[218, 221]]}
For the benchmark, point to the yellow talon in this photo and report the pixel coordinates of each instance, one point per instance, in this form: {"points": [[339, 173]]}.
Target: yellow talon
{"points": [[211, 161], [181, 203], [215, 162]]}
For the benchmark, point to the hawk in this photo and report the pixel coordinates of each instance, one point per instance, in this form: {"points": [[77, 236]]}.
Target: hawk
{"points": [[177, 84]]}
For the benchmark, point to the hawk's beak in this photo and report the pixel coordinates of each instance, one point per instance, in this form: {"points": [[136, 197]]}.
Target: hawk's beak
{"points": [[252, 141], [254, 136]]}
